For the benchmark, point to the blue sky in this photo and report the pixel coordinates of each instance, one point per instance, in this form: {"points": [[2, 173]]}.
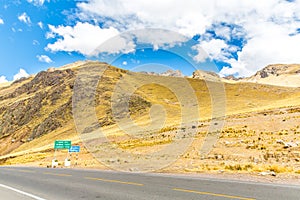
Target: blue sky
{"points": [[23, 40], [229, 37]]}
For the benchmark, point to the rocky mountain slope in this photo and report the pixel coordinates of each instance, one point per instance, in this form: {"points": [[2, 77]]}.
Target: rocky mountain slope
{"points": [[41, 104], [172, 73], [287, 75], [260, 132], [206, 75], [35, 106], [278, 74]]}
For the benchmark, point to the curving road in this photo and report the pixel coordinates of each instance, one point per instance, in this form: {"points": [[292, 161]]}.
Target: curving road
{"points": [[47, 184]]}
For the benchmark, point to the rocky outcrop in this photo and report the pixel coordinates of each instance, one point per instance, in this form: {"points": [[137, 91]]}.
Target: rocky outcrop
{"points": [[35, 106], [55, 120], [41, 81], [40, 104], [272, 70], [231, 78], [277, 74], [171, 73], [205, 75]]}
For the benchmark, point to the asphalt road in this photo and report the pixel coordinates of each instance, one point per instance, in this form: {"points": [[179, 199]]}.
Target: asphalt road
{"points": [[42, 183]]}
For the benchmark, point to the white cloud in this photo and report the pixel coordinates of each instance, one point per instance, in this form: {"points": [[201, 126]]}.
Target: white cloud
{"points": [[3, 79], [1, 21], [159, 38], [124, 63], [24, 18], [213, 49], [18, 30], [266, 27], [116, 44], [44, 58], [40, 24], [238, 68], [187, 17], [88, 39], [50, 35], [223, 32], [268, 43], [37, 2], [22, 73]]}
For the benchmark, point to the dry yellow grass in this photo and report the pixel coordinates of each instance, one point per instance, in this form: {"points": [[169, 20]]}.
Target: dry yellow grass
{"points": [[257, 116]]}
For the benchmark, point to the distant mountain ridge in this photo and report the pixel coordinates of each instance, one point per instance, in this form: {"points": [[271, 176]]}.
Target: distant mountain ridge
{"points": [[277, 74], [287, 75], [171, 73]]}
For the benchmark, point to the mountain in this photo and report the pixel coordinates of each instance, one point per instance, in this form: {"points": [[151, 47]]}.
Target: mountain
{"points": [[172, 73], [278, 74], [90, 103], [231, 78], [206, 75], [34, 106], [287, 75]]}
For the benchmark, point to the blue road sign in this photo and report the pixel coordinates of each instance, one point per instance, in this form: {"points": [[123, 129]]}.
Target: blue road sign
{"points": [[74, 149]]}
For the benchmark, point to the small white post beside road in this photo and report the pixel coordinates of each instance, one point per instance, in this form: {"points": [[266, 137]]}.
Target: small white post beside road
{"points": [[61, 144], [54, 163], [67, 162]]}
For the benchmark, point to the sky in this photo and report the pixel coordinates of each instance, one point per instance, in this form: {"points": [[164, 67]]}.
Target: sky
{"points": [[231, 37]]}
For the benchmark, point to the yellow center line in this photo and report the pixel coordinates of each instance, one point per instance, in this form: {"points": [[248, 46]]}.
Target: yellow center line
{"points": [[213, 194], [9, 169], [27, 171], [114, 181], [20, 170], [57, 174]]}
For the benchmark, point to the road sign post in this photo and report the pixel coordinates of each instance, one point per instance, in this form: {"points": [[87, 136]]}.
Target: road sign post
{"points": [[61, 144], [74, 149]]}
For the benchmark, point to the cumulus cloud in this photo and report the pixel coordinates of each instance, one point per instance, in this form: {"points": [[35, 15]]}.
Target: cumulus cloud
{"points": [[214, 49], [159, 38], [37, 2], [88, 39], [44, 58], [21, 74], [269, 29], [24, 18], [3, 79], [273, 44], [137, 14], [1, 21]]}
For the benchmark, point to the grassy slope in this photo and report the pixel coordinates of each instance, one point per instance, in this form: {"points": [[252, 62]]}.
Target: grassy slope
{"points": [[240, 98]]}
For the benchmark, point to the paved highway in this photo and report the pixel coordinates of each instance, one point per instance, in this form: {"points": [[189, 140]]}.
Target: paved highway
{"points": [[42, 183]]}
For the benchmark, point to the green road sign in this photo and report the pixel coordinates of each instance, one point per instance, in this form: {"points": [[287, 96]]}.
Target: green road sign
{"points": [[62, 144]]}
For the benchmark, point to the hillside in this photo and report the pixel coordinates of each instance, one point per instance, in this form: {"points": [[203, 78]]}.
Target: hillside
{"points": [[278, 74], [286, 75], [260, 131], [173, 73]]}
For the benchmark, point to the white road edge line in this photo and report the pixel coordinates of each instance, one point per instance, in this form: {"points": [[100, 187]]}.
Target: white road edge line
{"points": [[21, 192]]}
